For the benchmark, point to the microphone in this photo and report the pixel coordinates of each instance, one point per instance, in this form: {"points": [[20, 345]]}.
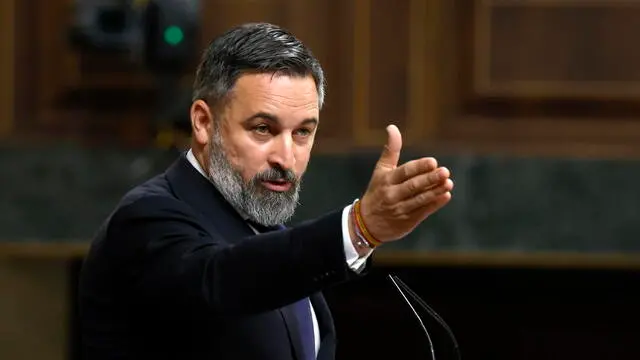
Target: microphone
{"points": [[400, 285]]}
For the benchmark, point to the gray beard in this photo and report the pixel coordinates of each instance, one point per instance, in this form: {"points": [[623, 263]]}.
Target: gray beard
{"points": [[251, 199]]}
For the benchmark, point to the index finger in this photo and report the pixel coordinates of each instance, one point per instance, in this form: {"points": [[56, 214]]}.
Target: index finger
{"points": [[411, 169]]}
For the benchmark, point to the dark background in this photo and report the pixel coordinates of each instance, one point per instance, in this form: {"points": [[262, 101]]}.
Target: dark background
{"points": [[533, 106]]}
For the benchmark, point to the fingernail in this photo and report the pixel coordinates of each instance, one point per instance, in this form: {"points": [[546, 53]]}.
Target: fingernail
{"points": [[442, 174]]}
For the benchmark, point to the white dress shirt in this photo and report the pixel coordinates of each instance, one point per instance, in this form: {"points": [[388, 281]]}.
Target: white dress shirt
{"points": [[354, 261]]}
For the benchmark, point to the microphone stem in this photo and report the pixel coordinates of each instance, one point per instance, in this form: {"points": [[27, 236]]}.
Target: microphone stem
{"points": [[400, 284]]}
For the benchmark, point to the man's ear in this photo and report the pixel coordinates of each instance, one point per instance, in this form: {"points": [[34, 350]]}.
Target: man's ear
{"points": [[201, 122]]}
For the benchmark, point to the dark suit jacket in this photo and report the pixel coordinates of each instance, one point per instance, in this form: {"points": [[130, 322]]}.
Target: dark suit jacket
{"points": [[175, 273]]}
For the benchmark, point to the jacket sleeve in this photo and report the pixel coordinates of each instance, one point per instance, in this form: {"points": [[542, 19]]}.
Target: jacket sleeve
{"points": [[176, 261]]}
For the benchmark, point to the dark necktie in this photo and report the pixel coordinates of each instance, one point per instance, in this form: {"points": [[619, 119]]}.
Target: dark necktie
{"points": [[302, 309]]}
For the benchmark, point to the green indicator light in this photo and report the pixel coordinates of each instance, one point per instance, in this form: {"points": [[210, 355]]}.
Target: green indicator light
{"points": [[173, 35]]}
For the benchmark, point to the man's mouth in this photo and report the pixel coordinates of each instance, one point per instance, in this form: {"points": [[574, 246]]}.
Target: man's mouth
{"points": [[277, 185]]}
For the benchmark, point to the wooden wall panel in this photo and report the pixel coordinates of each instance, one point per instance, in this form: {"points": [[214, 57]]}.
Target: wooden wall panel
{"points": [[63, 93], [534, 77], [557, 49], [326, 27], [106, 98], [542, 77], [388, 30], [7, 44], [220, 15], [34, 308], [395, 53]]}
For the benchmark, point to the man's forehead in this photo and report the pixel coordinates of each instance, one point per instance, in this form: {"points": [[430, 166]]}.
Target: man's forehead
{"points": [[269, 93], [277, 84]]}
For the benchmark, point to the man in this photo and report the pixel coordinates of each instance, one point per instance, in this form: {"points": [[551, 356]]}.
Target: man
{"points": [[194, 263]]}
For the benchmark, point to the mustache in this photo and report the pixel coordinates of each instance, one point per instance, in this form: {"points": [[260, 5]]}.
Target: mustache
{"points": [[276, 174]]}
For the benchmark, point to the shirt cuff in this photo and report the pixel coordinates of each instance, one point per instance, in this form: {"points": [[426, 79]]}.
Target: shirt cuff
{"points": [[354, 261]]}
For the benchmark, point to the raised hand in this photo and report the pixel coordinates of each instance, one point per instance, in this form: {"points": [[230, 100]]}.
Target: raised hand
{"points": [[399, 198]]}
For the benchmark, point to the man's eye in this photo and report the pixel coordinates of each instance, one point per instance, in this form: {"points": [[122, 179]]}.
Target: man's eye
{"points": [[261, 129], [303, 132]]}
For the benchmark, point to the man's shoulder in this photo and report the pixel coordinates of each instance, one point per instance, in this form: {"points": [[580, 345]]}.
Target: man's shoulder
{"points": [[157, 186], [152, 195], [146, 203]]}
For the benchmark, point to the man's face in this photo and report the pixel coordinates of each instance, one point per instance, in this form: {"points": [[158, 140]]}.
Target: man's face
{"points": [[260, 145]]}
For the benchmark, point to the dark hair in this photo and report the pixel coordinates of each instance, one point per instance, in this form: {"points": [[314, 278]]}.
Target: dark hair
{"points": [[251, 48]]}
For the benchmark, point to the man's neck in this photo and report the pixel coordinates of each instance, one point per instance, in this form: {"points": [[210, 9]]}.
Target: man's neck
{"points": [[195, 163]]}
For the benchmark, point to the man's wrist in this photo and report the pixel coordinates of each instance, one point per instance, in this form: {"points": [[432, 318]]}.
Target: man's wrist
{"points": [[361, 247]]}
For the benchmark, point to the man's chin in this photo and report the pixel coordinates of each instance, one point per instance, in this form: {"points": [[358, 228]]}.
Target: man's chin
{"points": [[275, 214]]}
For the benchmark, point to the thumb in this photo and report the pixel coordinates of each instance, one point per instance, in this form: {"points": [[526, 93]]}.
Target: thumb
{"points": [[391, 152]]}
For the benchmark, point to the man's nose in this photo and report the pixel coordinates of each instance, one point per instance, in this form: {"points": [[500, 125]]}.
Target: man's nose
{"points": [[282, 153]]}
